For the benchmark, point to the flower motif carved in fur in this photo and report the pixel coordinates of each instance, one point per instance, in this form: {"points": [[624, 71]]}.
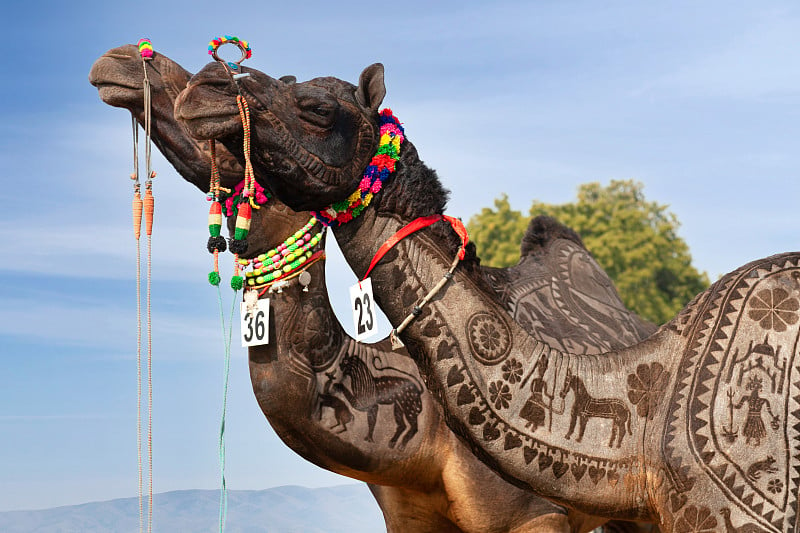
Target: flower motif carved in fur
{"points": [[500, 394], [646, 386], [696, 520], [774, 309], [489, 338], [512, 371]]}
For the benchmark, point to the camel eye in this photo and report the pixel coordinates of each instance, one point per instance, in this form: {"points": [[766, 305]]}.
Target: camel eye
{"points": [[319, 114]]}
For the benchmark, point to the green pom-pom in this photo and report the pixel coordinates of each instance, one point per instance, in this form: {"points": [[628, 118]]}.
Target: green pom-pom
{"points": [[213, 278], [237, 282]]}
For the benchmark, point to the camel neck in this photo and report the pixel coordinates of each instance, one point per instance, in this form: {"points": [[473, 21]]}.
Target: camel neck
{"points": [[512, 389]]}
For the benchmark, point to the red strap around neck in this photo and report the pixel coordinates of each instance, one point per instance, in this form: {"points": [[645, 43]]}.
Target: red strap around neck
{"points": [[416, 225]]}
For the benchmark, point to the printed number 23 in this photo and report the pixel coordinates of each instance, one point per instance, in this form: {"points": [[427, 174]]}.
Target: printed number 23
{"points": [[364, 308], [260, 328]]}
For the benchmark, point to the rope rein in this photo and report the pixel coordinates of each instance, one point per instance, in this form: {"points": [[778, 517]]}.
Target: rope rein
{"points": [[238, 244], [137, 230], [144, 207]]}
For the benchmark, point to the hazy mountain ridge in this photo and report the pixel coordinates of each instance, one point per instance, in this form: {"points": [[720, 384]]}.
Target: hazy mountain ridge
{"points": [[287, 509]]}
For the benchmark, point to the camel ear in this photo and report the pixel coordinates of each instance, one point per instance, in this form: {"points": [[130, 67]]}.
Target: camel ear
{"points": [[371, 89], [288, 79]]}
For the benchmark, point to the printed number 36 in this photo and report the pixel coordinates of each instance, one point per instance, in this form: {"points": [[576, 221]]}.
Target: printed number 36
{"points": [[260, 328]]}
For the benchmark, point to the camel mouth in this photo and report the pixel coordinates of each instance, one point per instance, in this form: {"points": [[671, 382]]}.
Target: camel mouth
{"points": [[209, 125], [119, 95], [205, 121]]}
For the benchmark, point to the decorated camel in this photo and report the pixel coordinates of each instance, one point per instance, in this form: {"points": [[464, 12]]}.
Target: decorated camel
{"points": [[695, 429], [423, 478], [310, 356]]}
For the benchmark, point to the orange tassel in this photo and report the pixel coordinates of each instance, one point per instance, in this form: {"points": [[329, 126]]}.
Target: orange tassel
{"points": [[148, 211], [137, 215]]}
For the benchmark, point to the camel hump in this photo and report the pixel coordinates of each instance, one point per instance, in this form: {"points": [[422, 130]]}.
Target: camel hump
{"points": [[543, 230]]}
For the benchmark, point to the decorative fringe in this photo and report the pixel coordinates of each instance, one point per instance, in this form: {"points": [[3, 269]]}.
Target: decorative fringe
{"points": [[137, 215], [149, 206]]}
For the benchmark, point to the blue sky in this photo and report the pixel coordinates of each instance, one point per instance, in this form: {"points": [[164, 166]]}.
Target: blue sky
{"points": [[697, 100]]}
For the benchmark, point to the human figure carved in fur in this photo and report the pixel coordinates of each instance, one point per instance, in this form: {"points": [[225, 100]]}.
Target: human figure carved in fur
{"points": [[673, 470]]}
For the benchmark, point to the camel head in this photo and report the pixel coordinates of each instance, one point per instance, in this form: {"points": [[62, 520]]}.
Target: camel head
{"points": [[311, 140], [119, 76]]}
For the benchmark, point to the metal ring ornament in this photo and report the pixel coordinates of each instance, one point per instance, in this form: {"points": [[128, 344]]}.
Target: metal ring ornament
{"points": [[244, 46]]}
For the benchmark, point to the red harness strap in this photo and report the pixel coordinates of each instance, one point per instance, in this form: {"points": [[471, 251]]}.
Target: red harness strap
{"points": [[416, 225]]}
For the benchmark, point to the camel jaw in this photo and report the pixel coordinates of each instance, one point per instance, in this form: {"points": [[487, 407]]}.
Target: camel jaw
{"points": [[118, 76]]}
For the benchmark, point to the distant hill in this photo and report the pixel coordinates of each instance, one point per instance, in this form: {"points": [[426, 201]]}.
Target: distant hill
{"points": [[288, 509]]}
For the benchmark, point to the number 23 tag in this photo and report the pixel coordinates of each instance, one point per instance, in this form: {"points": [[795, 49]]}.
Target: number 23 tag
{"points": [[363, 306], [255, 324]]}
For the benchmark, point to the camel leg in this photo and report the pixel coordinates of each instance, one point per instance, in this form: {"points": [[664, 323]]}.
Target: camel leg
{"points": [[399, 422]]}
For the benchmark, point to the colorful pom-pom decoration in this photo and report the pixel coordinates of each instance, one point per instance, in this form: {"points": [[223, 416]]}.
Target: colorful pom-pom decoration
{"points": [[378, 170], [244, 46], [145, 48]]}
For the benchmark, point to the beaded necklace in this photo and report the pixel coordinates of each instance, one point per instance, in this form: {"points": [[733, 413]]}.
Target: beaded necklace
{"points": [[285, 259], [379, 169]]}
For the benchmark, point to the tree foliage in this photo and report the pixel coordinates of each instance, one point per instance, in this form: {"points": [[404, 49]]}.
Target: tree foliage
{"points": [[634, 240]]}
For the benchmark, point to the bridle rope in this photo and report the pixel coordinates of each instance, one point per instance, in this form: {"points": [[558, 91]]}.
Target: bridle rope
{"points": [[216, 244], [144, 206]]}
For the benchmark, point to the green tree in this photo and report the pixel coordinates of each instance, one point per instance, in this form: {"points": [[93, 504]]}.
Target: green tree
{"points": [[634, 240]]}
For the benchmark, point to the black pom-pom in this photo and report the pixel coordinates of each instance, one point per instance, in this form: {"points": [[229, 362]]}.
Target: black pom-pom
{"points": [[238, 247], [216, 243]]}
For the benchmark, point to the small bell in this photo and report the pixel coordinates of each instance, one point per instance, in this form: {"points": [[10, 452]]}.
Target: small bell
{"points": [[396, 342], [305, 279], [251, 301]]}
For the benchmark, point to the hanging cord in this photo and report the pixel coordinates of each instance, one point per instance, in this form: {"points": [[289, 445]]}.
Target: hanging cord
{"points": [[227, 334], [238, 244], [137, 231], [149, 206], [144, 207]]}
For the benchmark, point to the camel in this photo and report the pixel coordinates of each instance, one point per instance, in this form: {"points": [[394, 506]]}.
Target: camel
{"points": [[422, 476], [689, 446]]}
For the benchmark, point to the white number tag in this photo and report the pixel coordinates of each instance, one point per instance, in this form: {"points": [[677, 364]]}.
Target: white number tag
{"points": [[363, 306], [255, 324]]}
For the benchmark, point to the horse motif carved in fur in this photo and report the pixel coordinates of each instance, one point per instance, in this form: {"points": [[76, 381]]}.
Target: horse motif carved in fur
{"points": [[586, 407]]}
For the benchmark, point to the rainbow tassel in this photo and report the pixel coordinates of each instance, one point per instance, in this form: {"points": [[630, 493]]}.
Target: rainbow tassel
{"points": [[243, 221], [145, 48], [215, 219]]}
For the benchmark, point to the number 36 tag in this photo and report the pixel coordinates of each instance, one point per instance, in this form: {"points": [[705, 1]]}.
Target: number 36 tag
{"points": [[255, 324], [363, 307]]}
